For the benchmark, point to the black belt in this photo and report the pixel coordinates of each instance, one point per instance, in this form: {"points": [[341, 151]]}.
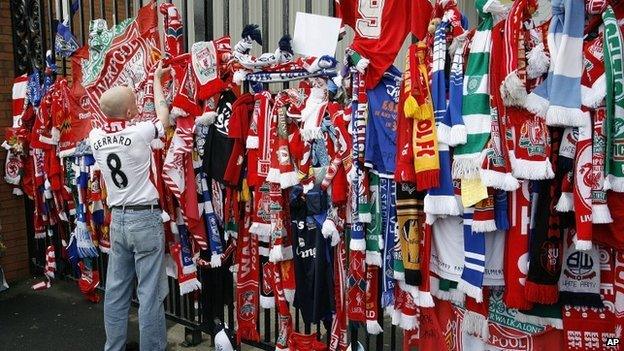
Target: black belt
{"points": [[136, 207]]}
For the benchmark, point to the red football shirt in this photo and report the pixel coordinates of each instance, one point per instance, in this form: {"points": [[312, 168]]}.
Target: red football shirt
{"points": [[381, 27]]}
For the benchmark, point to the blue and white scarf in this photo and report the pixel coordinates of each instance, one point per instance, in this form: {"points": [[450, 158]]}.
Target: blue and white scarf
{"points": [[471, 281], [441, 201], [558, 98]]}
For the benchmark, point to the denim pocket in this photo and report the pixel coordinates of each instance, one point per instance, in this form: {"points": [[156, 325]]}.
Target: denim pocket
{"points": [[147, 232]]}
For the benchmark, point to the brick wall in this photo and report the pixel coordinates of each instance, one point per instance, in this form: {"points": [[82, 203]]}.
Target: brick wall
{"points": [[12, 215]]}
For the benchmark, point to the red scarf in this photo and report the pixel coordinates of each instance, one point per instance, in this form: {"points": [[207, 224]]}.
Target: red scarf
{"points": [[516, 249], [338, 339], [356, 303], [247, 290]]}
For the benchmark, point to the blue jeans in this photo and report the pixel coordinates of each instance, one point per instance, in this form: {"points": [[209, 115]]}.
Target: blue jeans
{"points": [[137, 247]]}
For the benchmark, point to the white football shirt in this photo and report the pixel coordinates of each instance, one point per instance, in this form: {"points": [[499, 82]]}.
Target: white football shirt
{"points": [[124, 158]]}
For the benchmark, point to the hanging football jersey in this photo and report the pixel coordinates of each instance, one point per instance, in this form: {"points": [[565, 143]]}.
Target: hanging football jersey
{"points": [[218, 145], [381, 27], [380, 152]]}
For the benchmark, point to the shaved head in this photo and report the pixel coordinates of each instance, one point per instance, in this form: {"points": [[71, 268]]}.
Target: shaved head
{"points": [[119, 102]]}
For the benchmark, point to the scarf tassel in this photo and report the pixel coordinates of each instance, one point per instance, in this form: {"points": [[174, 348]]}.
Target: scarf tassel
{"points": [[475, 324], [260, 229], [541, 293], [267, 302], [428, 179], [513, 90], [556, 323], [498, 180], [440, 205], [565, 203], [473, 291], [560, 116], [581, 299], [533, 170], [373, 258], [329, 230], [373, 327], [484, 226], [583, 245], [537, 104], [538, 62], [424, 299], [288, 179], [188, 285], [614, 183], [466, 167], [601, 214]]}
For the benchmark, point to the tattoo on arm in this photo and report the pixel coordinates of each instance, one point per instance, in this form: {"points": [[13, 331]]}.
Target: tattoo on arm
{"points": [[163, 103]]}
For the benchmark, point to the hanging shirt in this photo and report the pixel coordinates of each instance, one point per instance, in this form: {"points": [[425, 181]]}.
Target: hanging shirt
{"points": [[124, 158], [218, 147], [381, 27]]}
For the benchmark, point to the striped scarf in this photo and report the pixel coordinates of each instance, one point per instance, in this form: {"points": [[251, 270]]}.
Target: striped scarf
{"points": [[615, 103], [476, 95], [558, 98], [440, 201]]}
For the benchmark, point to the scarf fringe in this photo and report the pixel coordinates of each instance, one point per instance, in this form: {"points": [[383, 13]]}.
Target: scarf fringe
{"points": [[614, 183], [444, 133], [215, 260], [601, 214], [260, 229], [357, 244], [207, 118], [583, 245], [309, 134], [483, 226], [537, 62], [592, 96], [565, 203], [498, 180], [408, 322], [189, 286], [373, 258], [276, 254], [441, 205], [267, 302], [428, 179], [541, 293], [457, 135], [273, 176], [252, 142], [177, 112], [373, 327], [473, 291], [537, 105], [513, 90], [531, 170], [476, 324], [467, 167], [581, 299], [559, 116], [424, 299], [527, 318], [289, 295], [329, 230], [189, 269], [288, 179]]}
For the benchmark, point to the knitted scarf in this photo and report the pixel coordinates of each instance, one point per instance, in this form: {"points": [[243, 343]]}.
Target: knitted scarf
{"points": [[558, 98], [579, 283], [389, 236], [545, 244], [600, 210], [374, 239], [583, 183], [440, 201], [410, 231], [471, 281], [372, 300], [424, 143], [476, 96], [338, 331], [356, 306], [516, 248], [615, 103]]}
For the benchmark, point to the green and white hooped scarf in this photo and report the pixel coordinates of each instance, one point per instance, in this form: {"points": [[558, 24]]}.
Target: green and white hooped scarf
{"points": [[476, 95], [614, 123]]}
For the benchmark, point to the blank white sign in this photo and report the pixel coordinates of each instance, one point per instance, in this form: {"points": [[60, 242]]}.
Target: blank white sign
{"points": [[315, 35]]}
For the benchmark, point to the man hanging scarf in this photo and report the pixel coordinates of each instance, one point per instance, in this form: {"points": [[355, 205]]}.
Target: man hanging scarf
{"points": [[615, 103], [558, 98], [476, 94]]}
